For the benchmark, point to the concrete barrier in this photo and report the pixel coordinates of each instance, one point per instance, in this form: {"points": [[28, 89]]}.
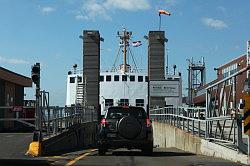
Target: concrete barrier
{"points": [[76, 137], [168, 136]]}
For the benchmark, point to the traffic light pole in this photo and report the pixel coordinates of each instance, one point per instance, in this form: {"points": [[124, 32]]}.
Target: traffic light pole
{"points": [[38, 123]]}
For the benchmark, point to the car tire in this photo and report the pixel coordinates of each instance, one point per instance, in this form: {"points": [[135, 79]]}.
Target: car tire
{"points": [[101, 151], [148, 150]]}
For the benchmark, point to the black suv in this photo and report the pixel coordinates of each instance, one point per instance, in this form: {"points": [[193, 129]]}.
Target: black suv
{"points": [[125, 127]]}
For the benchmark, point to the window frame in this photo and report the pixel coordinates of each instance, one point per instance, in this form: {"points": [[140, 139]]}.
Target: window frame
{"points": [[124, 78], [139, 104], [132, 76], [107, 76], [72, 80], [139, 78], [115, 78], [101, 78]]}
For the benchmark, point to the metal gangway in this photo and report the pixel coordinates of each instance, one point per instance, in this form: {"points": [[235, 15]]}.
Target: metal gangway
{"points": [[53, 120]]}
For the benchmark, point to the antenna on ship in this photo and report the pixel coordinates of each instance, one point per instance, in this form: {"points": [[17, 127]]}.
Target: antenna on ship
{"points": [[124, 36], [74, 67]]}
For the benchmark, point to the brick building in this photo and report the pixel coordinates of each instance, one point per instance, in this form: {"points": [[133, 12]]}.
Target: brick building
{"points": [[11, 94], [223, 72]]}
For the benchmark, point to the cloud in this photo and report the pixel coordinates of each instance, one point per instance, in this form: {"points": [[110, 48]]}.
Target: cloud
{"points": [[214, 23], [170, 3], [128, 5], [81, 17], [12, 61], [92, 9], [222, 9], [47, 9]]}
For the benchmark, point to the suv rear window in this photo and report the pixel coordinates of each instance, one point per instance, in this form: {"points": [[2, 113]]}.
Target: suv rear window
{"points": [[120, 112]]}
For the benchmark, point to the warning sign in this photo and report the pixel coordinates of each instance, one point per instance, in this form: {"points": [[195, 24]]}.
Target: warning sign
{"points": [[17, 108], [246, 117]]}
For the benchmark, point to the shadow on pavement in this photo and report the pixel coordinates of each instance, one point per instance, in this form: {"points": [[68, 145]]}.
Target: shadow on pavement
{"points": [[155, 154], [12, 162]]}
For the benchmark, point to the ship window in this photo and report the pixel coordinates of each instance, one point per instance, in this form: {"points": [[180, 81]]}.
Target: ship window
{"points": [[132, 78], [72, 79], [140, 78], [139, 102], [124, 77], [109, 102], [146, 78], [116, 78], [123, 102], [101, 78], [79, 79], [108, 78]]}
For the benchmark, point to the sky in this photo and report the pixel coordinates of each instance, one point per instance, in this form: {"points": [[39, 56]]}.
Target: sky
{"points": [[48, 32]]}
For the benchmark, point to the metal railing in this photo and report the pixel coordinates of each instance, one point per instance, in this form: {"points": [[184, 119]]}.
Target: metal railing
{"points": [[56, 120], [221, 120], [186, 118], [223, 114], [195, 121]]}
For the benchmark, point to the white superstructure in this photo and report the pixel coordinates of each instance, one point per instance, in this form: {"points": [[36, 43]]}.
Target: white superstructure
{"points": [[74, 81], [124, 86], [117, 88]]}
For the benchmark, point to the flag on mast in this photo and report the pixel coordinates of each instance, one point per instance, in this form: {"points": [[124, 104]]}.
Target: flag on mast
{"points": [[164, 12], [136, 43]]}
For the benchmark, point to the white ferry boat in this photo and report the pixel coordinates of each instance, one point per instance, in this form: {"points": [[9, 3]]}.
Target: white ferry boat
{"points": [[122, 85]]}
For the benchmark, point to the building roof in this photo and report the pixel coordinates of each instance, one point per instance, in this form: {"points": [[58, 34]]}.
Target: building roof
{"points": [[15, 78], [231, 61]]}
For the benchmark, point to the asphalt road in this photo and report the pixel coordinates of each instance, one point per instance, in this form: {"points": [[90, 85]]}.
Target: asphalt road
{"points": [[160, 157], [13, 147]]}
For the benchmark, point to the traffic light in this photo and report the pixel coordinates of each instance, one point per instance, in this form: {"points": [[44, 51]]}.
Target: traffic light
{"points": [[35, 73]]}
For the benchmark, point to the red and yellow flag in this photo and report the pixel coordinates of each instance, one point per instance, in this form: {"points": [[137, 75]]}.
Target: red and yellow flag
{"points": [[164, 12]]}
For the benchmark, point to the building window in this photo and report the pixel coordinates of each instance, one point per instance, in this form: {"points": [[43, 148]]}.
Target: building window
{"points": [[139, 102], [108, 78], [109, 102], [140, 78], [132, 78], [228, 71], [72, 79], [101, 78], [123, 102], [146, 78], [124, 77], [116, 78], [79, 79]]}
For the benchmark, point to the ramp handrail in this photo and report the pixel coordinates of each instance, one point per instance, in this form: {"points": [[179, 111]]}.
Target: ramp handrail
{"points": [[195, 121], [56, 119]]}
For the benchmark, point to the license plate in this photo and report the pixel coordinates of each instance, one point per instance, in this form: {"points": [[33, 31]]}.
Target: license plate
{"points": [[111, 135]]}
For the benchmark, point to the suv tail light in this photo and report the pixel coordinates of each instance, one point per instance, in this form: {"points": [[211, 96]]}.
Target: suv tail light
{"points": [[148, 122], [104, 122]]}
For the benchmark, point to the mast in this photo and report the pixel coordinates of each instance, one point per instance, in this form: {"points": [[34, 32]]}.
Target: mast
{"points": [[124, 36], [125, 50]]}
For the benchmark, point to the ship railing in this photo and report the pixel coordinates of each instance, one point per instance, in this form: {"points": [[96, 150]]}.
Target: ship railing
{"points": [[130, 71]]}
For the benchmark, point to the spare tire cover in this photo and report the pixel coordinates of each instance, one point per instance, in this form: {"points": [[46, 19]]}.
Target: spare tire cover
{"points": [[129, 127]]}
